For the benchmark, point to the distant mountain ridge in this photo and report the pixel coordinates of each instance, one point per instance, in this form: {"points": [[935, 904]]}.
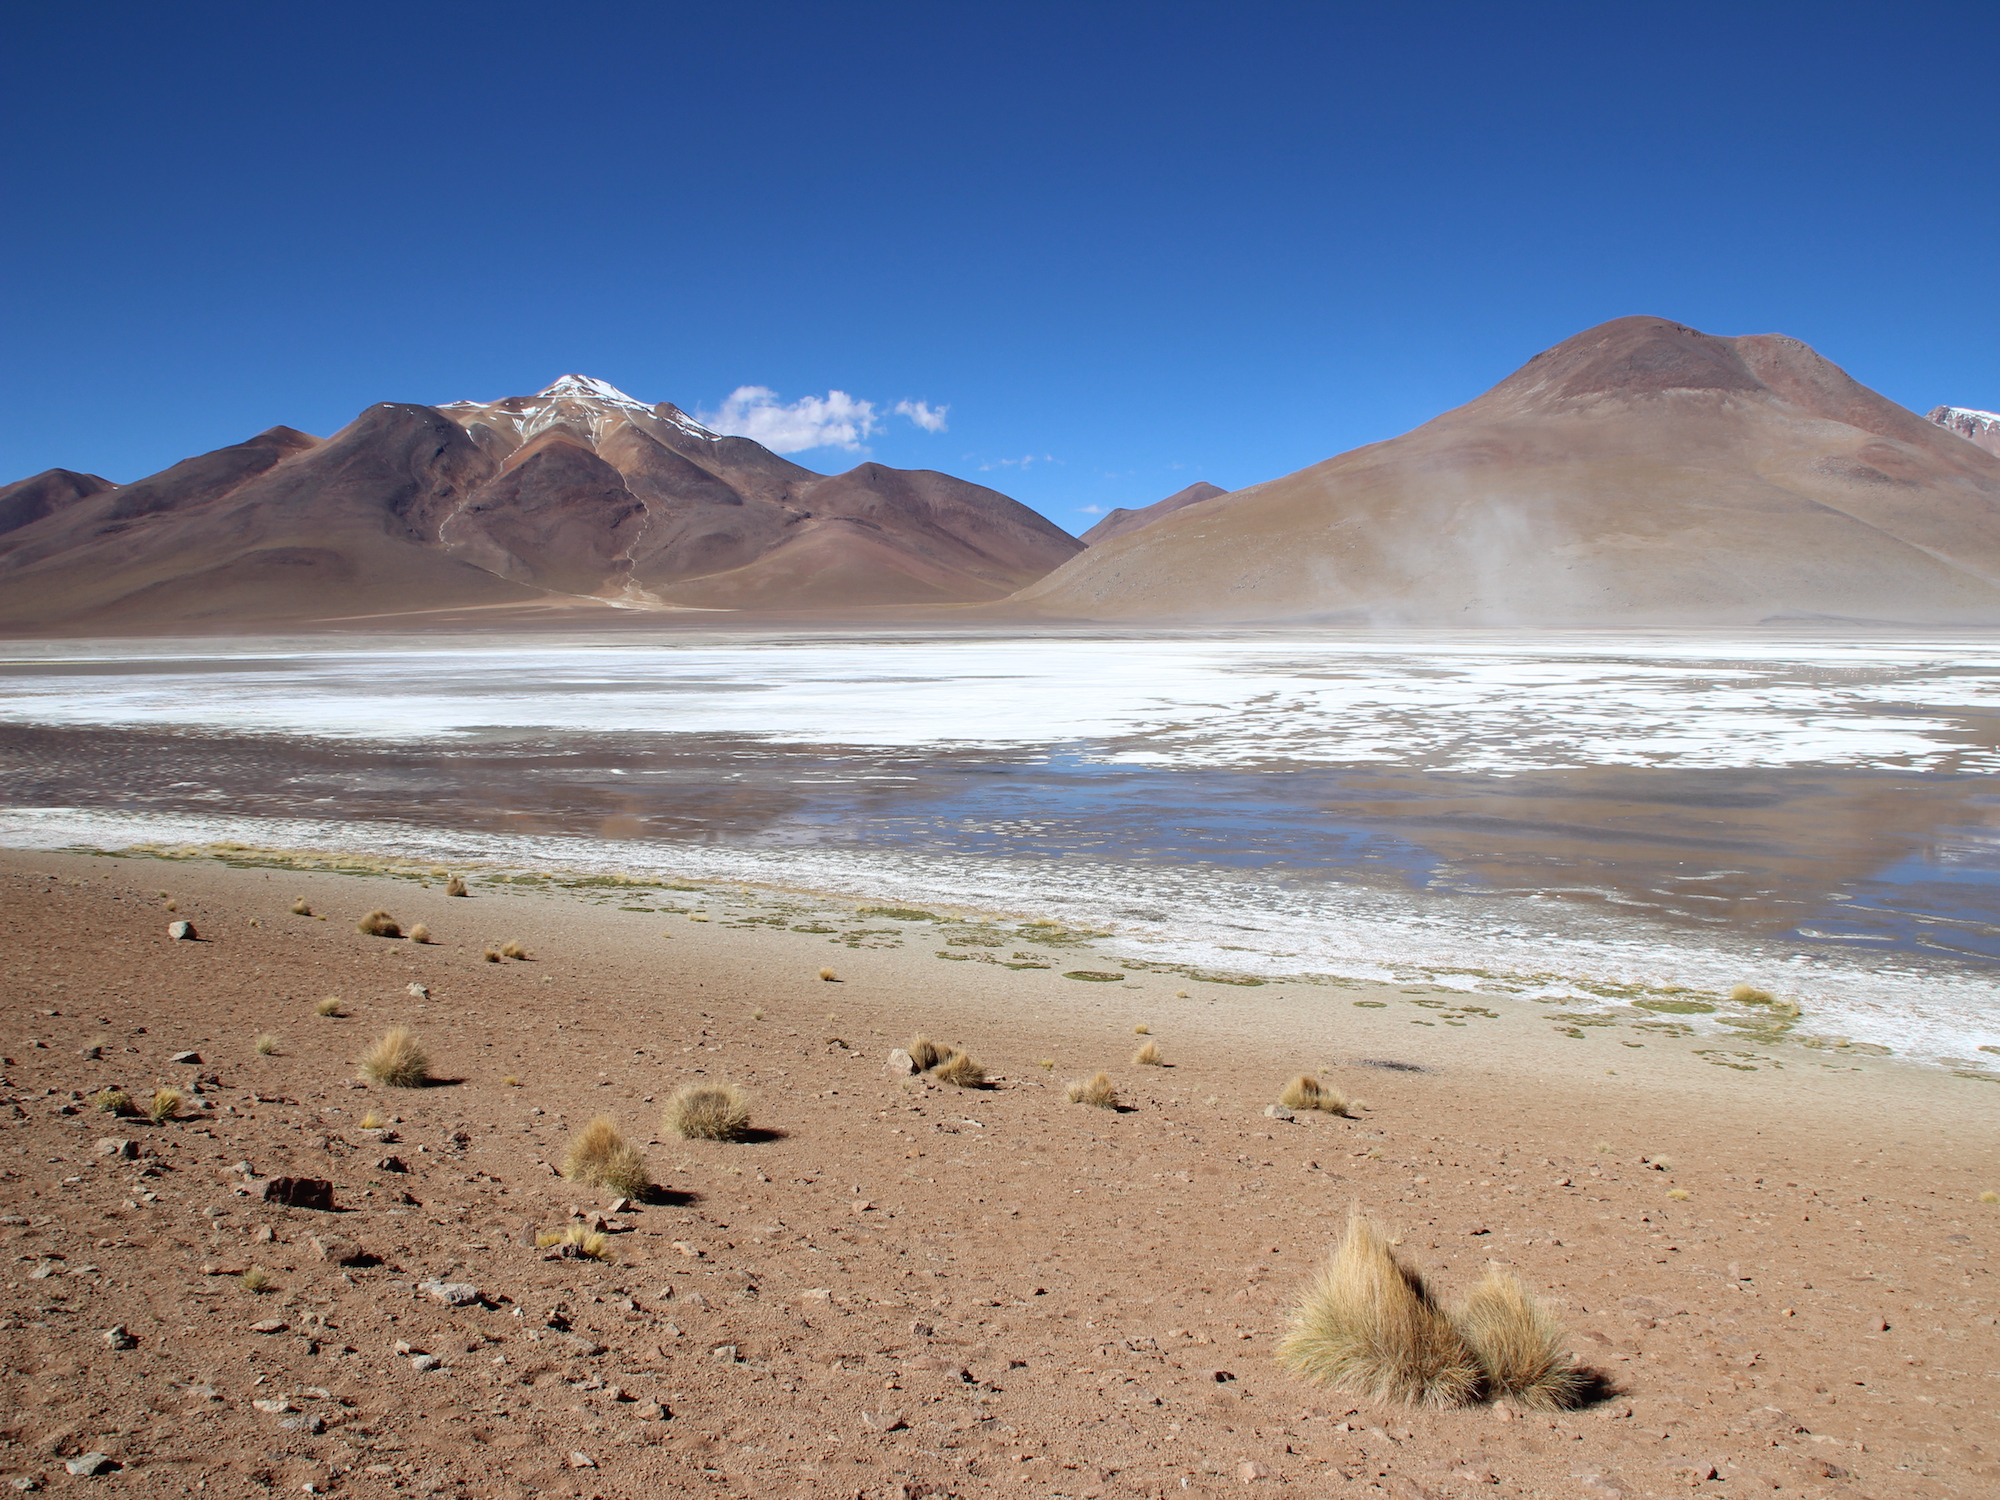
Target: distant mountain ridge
{"points": [[577, 493], [1981, 427], [1120, 521], [1639, 473]]}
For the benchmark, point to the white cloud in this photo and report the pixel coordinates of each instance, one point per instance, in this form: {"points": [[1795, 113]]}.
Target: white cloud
{"points": [[1019, 463], [930, 418], [1090, 510], [835, 420]]}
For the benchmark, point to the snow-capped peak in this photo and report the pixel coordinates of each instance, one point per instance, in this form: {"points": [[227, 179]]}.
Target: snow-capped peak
{"points": [[1975, 426], [586, 388]]}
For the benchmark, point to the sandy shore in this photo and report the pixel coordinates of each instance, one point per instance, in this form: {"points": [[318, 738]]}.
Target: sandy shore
{"points": [[904, 1289]]}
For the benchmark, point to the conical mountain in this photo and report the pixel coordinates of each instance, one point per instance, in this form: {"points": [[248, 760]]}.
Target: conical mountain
{"points": [[578, 496], [1639, 473], [1121, 521]]}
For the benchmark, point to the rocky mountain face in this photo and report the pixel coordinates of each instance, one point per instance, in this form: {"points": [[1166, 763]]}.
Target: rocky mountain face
{"points": [[1641, 472], [1121, 521], [1981, 427], [578, 493]]}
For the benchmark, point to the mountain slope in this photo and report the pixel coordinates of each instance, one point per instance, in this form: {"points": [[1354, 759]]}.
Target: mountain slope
{"points": [[1640, 472], [28, 500], [1121, 521], [1981, 427]]}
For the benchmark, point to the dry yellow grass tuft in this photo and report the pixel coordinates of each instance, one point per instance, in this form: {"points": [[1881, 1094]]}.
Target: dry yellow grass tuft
{"points": [[1149, 1056], [1749, 994], [173, 905], [1142, 1029], [1518, 1345], [165, 1102], [372, 1121], [1989, 1196], [1367, 1326], [511, 1081], [1047, 1065], [420, 933], [515, 950], [112, 1101], [299, 907], [266, 1045], [829, 976], [330, 1006], [925, 1053], [1307, 1092], [600, 1157], [594, 1243], [397, 1060], [1679, 1195], [1095, 1090], [960, 1070], [256, 1279], [455, 886], [708, 1112], [491, 955], [378, 923], [757, 1014]]}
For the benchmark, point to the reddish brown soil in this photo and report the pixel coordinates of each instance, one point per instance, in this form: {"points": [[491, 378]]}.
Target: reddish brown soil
{"points": [[926, 1291]]}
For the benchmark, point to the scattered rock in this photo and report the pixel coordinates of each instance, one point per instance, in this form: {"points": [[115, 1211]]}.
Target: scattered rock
{"points": [[417, 991], [187, 1059], [649, 1411], [1249, 1469], [297, 1192], [1476, 1476], [455, 1140], [1276, 1112], [337, 1251], [451, 1293], [308, 1422], [96, 1463], [724, 1354], [883, 1421], [578, 1344], [392, 1164], [124, 1150], [692, 1252], [180, 932], [817, 1294], [118, 1337], [275, 1406], [423, 1364], [582, 1461], [900, 1064], [269, 1325]]}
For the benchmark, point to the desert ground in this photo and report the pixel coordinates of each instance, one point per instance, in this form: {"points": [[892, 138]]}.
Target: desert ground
{"points": [[1775, 1259]]}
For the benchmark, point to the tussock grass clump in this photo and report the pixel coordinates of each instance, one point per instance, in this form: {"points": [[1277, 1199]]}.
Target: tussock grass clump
{"points": [[1749, 994], [330, 1006], [299, 907], [1367, 1326], [1518, 1345], [455, 886], [420, 933], [960, 1070], [1047, 1064], [1149, 1056], [1307, 1092], [594, 1243], [1679, 1195], [165, 1102], [1142, 1029], [379, 923], [829, 976], [256, 1279], [266, 1045], [708, 1112], [173, 905], [925, 1053], [511, 1081], [491, 955], [112, 1101], [1096, 1090], [372, 1121], [600, 1157], [1989, 1196], [515, 950], [397, 1060], [757, 1014]]}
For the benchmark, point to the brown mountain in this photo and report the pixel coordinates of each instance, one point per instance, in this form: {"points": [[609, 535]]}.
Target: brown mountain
{"points": [[1638, 473], [579, 495], [1981, 427], [1120, 521], [44, 494]]}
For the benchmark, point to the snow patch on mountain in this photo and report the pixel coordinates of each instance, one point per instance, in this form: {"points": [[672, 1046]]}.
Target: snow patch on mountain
{"points": [[1981, 427]]}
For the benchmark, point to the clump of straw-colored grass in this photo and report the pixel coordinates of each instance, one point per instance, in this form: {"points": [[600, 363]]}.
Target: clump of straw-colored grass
{"points": [[925, 1053], [455, 886], [1149, 1056], [266, 1045], [1518, 1345], [1307, 1092], [330, 1006], [299, 907], [420, 933], [1679, 1195], [515, 950], [708, 1112], [491, 955], [112, 1101], [1142, 1029], [1749, 994], [397, 1060], [600, 1157], [1367, 1326], [379, 923], [829, 976], [1097, 1090], [372, 1121], [165, 1102], [594, 1243], [960, 1070], [256, 1279]]}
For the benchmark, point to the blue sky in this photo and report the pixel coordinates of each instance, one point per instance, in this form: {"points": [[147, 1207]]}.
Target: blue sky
{"points": [[1127, 246]]}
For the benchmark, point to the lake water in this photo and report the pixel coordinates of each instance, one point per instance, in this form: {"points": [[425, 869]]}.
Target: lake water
{"points": [[1546, 813]]}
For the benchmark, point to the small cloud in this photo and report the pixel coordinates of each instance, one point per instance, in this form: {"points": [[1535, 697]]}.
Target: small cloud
{"points": [[835, 420], [930, 418], [1020, 463], [1090, 510]]}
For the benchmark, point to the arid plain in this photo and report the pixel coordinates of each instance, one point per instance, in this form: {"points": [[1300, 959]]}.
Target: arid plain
{"points": [[1776, 1262]]}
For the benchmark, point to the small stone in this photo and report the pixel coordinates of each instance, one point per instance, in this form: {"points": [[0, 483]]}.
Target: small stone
{"points": [[119, 1337], [417, 991], [180, 932], [340, 1252], [724, 1354], [392, 1164], [1503, 1413], [619, 1206], [578, 1344], [883, 1421], [692, 1252], [1249, 1469], [90, 1054], [90, 1463], [111, 1145], [424, 1363], [27, 1483], [1277, 1112], [451, 1293], [263, 1234], [860, 1206], [188, 1059], [900, 1064], [1476, 1476], [310, 1422], [298, 1192], [582, 1461], [269, 1326], [275, 1406], [817, 1294]]}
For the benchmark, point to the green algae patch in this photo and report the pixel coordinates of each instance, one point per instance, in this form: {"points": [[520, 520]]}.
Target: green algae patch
{"points": [[1095, 976], [1677, 1007], [898, 913], [1371, 1004]]}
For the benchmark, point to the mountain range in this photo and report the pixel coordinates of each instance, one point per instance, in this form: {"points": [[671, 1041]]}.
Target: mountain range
{"points": [[1638, 473]]}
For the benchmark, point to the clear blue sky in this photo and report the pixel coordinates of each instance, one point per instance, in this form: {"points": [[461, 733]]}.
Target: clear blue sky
{"points": [[1143, 244]]}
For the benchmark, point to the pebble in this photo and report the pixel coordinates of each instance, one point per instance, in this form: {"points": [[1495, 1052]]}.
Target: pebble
{"points": [[341, 1252], [118, 1337], [582, 1461], [649, 1411], [1249, 1469], [280, 1404], [180, 932], [451, 1293], [269, 1325], [1278, 1112], [112, 1145], [89, 1463], [189, 1059], [424, 1363]]}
